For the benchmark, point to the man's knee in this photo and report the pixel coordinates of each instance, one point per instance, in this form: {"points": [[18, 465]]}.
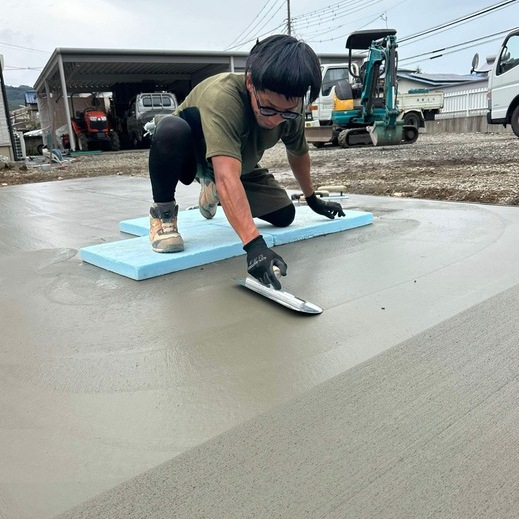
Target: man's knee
{"points": [[172, 148], [172, 129], [282, 217]]}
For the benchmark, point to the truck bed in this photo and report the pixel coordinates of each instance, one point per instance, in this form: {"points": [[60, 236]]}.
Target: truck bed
{"points": [[428, 101]]}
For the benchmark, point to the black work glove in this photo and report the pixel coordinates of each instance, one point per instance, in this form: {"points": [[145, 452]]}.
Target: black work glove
{"points": [[328, 209], [261, 260]]}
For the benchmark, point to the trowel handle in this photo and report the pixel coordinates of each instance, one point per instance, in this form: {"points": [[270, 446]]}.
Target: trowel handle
{"points": [[277, 272]]}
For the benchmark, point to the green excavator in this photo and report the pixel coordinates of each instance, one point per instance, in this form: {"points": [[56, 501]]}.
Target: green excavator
{"points": [[375, 119]]}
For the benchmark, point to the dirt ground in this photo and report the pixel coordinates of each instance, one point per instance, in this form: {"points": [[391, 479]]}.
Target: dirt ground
{"points": [[463, 167]]}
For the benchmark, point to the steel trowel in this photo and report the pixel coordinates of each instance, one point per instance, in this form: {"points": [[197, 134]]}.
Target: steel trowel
{"points": [[280, 296]]}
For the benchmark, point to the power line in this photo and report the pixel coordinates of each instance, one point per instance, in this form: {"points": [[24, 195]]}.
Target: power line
{"points": [[327, 9], [12, 67], [465, 46], [312, 13], [257, 36], [477, 40], [248, 26], [331, 29], [247, 32], [23, 48], [460, 20], [426, 33], [353, 7]]}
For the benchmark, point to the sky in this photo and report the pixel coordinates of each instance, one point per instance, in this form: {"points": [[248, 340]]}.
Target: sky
{"points": [[31, 30]]}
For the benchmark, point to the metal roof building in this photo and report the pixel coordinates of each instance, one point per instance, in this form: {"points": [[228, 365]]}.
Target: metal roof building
{"points": [[127, 73]]}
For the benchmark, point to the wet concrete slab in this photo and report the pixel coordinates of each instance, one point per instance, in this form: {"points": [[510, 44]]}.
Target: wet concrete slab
{"points": [[103, 377]]}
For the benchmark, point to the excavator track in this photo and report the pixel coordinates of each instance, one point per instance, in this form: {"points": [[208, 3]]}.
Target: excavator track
{"points": [[354, 137]]}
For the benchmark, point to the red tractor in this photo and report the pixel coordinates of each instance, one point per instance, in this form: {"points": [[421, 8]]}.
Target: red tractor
{"points": [[93, 132]]}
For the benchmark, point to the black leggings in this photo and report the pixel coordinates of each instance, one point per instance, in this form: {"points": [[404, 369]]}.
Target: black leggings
{"points": [[282, 217], [173, 158]]}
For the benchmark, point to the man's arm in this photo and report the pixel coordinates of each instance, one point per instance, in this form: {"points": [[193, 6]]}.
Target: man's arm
{"points": [[227, 172], [260, 259], [300, 166]]}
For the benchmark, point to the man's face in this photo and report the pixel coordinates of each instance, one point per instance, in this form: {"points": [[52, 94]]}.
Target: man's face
{"points": [[266, 99]]}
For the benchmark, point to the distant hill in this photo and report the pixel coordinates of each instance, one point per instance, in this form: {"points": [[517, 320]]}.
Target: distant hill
{"points": [[16, 95]]}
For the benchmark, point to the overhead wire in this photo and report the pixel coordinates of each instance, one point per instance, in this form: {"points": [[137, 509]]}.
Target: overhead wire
{"points": [[24, 48], [322, 9], [356, 6], [461, 20], [464, 46], [14, 67], [459, 47], [310, 37], [258, 36], [485, 39], [246, 30], [342, 11], [246, 34]]}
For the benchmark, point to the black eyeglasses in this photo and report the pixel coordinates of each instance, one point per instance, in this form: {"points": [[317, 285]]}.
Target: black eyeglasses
{"points": [[268, 111]]}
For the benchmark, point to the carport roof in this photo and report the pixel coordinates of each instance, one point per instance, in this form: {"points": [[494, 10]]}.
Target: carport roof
{"points": [[90, 70]]}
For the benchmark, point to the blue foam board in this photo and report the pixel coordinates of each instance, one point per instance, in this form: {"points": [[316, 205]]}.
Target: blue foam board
{"points": [[206, 241]]}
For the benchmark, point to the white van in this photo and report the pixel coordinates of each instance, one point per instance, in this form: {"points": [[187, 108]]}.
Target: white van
{"points": [[503, 85]]}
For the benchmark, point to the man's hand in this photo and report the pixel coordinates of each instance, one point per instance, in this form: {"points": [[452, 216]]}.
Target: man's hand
{"points": [[328, 209], [261, 260]]}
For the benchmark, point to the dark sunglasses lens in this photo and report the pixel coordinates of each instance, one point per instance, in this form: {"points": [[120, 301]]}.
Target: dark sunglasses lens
{"points": [[270, 112], [289, 115], [267, 112]]}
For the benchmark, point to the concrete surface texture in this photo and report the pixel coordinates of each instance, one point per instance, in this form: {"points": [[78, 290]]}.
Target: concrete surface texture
{"points": [[104, 378], [427, 429]]}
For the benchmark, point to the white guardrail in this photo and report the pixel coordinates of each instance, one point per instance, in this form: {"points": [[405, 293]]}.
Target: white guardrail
{"points": [[464, 103]]}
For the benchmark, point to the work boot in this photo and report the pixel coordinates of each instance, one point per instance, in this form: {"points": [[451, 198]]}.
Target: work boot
{"points": [[208, 200], [164, 235]]}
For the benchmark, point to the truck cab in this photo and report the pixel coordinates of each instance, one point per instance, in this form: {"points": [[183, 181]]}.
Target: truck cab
{"points": [[321, 108], [503, 85], [142, 109]]}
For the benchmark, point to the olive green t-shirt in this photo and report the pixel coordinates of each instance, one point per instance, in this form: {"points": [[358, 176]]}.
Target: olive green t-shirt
{"points": [[220, 114]]}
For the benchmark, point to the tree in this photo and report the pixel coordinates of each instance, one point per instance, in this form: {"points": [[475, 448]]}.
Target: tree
{"points": [[16, 96]]}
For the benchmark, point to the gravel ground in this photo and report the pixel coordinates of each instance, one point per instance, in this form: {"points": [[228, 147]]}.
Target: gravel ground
{"points": [[464, 167]]}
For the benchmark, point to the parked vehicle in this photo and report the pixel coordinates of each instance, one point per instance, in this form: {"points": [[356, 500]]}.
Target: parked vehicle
{"points": [[321, 109], [503, 85], [142, 109], [419, 105], [369, 96], [92, 131]]}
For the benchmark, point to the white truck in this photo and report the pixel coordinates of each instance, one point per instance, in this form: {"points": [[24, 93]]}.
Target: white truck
{"points": [[319, 113], [419, 105], [503, 85], [416, 106], [143, 108]]}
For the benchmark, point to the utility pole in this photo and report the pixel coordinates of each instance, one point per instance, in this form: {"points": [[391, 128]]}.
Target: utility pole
{"points": [[289, 20]]}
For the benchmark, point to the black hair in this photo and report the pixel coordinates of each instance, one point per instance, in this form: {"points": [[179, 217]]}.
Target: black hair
{"points": [[285, 65]]}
